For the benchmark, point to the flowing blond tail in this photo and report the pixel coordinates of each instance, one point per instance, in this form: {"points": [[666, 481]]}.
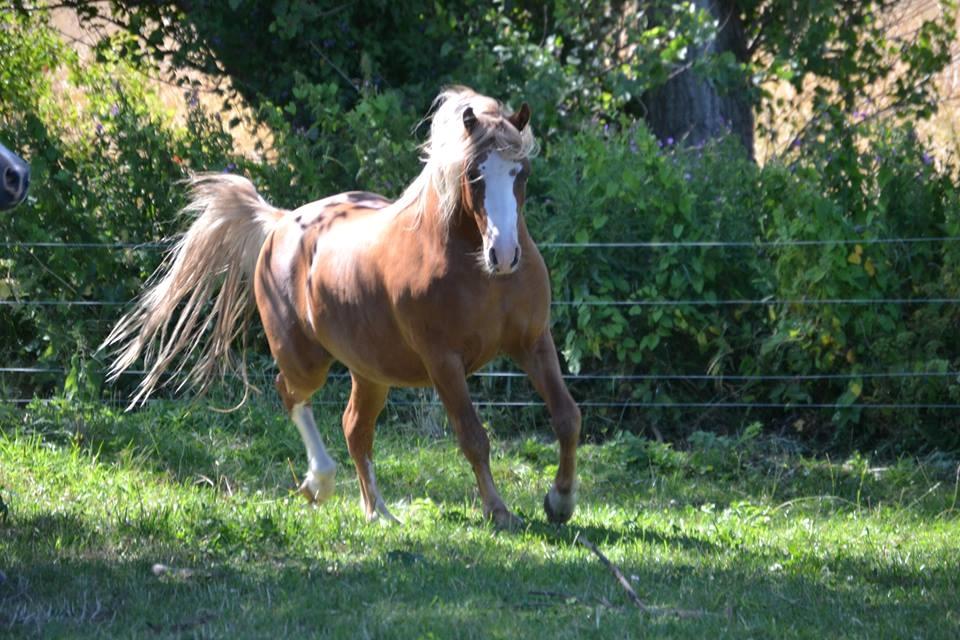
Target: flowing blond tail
{"points": [[218, 252]]}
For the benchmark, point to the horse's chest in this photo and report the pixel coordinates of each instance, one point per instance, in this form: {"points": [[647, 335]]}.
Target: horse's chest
{"points": [[481, 323]]}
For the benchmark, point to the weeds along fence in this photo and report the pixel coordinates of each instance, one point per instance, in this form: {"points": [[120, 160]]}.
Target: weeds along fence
{"points": [[838, 395]]}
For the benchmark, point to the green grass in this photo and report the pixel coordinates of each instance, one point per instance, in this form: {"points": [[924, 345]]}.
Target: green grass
{"points": [[756, 538]]}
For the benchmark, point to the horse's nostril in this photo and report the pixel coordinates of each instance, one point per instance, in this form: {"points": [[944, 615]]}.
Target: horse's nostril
{"points": [[11, 180], [516, 258], [493, 257]]}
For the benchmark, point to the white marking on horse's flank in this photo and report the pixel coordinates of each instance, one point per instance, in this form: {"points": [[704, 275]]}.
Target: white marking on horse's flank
{"points": [[339, 249], [500, 203]]}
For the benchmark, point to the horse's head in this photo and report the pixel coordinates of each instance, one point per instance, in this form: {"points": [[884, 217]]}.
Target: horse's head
{"points": [[476, 166], [14, 179], [494, 183]]}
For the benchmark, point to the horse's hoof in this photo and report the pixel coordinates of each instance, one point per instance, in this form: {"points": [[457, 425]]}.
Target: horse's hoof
{"points": [[503, 520], [382, 514], [559, 507], [317, 488]]}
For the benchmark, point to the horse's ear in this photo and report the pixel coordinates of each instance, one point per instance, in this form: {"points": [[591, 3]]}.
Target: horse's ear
{"points": [[521, 117], [469, 119]]}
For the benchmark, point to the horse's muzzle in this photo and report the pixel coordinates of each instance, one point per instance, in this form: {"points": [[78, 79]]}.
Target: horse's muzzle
{"points": [[14, 181]]}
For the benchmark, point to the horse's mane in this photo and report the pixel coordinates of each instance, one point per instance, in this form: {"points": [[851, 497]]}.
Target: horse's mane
{"points": [[450, 149]]}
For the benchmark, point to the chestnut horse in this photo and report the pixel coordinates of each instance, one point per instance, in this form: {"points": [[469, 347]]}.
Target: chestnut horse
{"points": [[423, 291]]}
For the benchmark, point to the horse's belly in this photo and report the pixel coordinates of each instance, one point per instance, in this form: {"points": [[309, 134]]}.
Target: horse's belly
{"points": [[388, 362], [364, 337]]}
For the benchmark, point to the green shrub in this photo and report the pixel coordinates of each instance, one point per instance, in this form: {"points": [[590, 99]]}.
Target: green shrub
{"points": [[107, 159]]}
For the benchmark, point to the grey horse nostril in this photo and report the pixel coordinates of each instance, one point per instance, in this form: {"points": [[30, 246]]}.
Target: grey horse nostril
{"points": [[11, 180], [516, 258], [493, 257]]}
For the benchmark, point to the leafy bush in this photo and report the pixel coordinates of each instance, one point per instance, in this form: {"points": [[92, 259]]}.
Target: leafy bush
{"points": [[107, 159]]}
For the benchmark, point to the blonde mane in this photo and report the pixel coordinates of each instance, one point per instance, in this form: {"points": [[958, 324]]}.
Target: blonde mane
{"points": [[450, 149]]}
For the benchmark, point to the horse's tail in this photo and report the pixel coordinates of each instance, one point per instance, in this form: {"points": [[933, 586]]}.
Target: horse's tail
{"points": [[213, 261]]}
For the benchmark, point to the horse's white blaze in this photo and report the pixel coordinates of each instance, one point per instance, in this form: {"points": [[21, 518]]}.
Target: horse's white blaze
{"points": [[500, 203], [322, 469]]}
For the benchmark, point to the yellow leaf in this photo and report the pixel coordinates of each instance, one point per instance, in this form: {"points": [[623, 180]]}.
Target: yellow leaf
{"points": [[851, 356], [854, 257], [856, 388], [869, 267]]}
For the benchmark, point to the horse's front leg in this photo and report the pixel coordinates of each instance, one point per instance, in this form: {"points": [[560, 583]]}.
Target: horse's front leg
{"points": [[450, 380], [540, 363]]}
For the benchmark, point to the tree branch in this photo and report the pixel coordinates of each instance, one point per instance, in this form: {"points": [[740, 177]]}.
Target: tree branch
{"points": [[634, 598]]}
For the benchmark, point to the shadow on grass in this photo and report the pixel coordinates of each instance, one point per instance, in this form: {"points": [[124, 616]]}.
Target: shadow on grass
{"points": [[413, 590]]}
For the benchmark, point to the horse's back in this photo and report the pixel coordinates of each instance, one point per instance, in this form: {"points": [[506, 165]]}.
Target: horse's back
{"points": [[343, 205]]}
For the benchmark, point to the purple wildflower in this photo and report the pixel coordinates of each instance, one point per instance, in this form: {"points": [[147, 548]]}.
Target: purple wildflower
{"points": [[670, 141], [927, 158], [230, 168], [114, 110], [99, 129]]}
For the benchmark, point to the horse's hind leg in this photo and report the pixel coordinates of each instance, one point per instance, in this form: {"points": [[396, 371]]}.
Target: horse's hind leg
{"points": [[320, 481], [359, 423]]}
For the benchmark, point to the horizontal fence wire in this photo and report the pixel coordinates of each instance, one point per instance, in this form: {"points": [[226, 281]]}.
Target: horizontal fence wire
{"points": [[594, 303], [611, 377], [867, 375], [614, 405], [651, 244]]}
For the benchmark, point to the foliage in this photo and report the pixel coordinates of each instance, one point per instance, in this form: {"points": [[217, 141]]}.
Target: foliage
{"points": [[575, 59], [106, 160], [671, 194], [854, 51]]}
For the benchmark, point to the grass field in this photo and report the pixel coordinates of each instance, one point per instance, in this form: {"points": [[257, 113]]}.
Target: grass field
{"points": [[179, 522]]}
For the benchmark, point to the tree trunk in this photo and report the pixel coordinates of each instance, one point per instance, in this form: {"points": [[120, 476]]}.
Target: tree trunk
{"points": [[692, 109]]}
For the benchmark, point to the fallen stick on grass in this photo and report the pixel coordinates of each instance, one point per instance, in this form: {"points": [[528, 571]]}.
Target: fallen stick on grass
{"points": [[622, 579]]}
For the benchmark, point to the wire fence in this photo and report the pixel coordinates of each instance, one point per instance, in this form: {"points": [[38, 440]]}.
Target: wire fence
{"points": [[895, 373], [649, 244]]}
